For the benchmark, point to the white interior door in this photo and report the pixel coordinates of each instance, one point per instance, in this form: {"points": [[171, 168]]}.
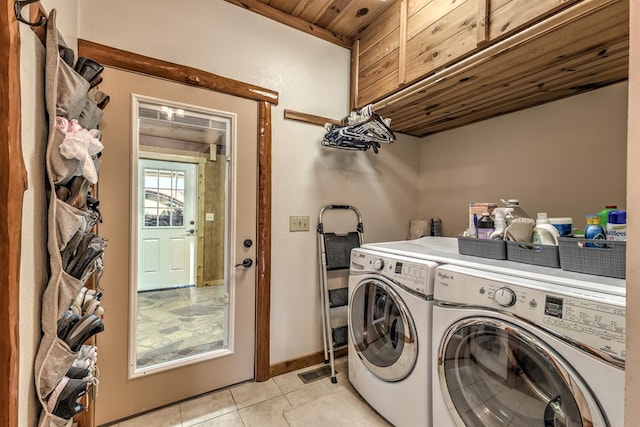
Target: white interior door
{"points": [[126, 388], [167, 233]]}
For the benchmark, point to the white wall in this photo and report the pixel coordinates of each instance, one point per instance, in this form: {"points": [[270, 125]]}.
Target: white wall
{"points": [[311, 76], [33, 264], [566, 158]]}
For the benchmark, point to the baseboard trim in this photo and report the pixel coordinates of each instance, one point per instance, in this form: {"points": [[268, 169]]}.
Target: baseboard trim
{"points": [[301, 362]]}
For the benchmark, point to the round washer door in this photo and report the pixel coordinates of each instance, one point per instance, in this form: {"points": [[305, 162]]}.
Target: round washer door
{"points": [[495, 373], [382, 331]]}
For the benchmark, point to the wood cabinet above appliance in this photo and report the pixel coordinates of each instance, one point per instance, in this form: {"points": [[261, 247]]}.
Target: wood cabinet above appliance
{"points": [[432, 65]]}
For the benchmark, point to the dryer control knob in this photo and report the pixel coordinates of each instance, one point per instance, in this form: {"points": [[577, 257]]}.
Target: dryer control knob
{"points": [[505, 297], [378, 264]]}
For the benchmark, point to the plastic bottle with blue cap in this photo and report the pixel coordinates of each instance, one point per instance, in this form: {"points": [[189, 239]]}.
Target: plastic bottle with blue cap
{"points": [[616, 228]]}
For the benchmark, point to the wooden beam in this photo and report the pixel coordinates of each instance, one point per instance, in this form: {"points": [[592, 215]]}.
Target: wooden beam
{"points": [[292, 21], [130, 61], [402, 43], [355, 66], [263, 284], [309, 118], [483, 22], [13, 183]]}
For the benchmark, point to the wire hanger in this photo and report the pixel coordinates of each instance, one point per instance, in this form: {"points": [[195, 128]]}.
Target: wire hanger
{"points": [[19, 5], [361, 130]]}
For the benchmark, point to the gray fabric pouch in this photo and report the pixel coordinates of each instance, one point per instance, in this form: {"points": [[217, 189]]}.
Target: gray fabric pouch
{"points": [[90, 114], [69, 221], [50, 420], [71, 92]]}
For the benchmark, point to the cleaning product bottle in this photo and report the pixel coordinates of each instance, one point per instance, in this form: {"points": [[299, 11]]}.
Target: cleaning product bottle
{"points": [[499, 223], [616, 228], [594, 230], [513, 210], [485, 226], [604, 214], [544, 233]]}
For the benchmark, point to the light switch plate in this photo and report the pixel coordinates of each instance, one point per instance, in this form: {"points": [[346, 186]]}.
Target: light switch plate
{"points": [[298, 223]]}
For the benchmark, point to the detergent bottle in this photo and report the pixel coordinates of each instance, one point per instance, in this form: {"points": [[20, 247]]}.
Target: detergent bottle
{"points": [[544, 233]]}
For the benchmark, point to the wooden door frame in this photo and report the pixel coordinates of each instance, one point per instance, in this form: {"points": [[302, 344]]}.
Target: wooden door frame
{"points": [[140, 64], [13, 183]]}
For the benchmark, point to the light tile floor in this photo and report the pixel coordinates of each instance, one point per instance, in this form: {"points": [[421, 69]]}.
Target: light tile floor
{"points": [[281, 401]]}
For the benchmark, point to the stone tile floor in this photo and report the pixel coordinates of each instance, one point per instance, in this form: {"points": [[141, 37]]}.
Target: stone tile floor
{"points": [[281, 401], [176, 323]]}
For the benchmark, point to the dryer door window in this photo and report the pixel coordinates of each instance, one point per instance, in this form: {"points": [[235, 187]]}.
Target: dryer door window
{"points": [[382, 331], [494, 373]]}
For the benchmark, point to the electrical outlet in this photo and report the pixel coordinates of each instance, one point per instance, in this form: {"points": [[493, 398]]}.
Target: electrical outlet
{"points": [[209, 216], [298, 223]]}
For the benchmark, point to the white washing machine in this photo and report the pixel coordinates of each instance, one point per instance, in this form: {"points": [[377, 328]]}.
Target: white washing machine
{"points": [[390, 306], [516, 352]]}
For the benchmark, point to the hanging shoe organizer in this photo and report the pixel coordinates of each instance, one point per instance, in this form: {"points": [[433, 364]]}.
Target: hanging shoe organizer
{"points": [[71, 313], [361, 130]]}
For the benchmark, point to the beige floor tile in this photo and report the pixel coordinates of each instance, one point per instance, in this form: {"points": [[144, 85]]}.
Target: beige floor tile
{"points": [[166, 417], [232, 419], [338, 409], [311, 392], [206, 407], [248, 394], [266, 414]]}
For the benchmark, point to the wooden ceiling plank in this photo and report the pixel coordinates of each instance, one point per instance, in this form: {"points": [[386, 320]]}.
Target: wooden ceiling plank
{"points": [[577, 81], [502, 109], [287, 6], [291, 21], [352, 21], [524, 97], [309, 9], [331, 13], [482, 79]]}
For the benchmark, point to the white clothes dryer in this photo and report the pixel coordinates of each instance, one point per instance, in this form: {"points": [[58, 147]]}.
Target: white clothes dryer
{"points": [[390, 306], [510, 351]]}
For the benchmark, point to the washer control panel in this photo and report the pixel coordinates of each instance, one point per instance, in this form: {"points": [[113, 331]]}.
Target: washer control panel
{"points": [[414, 276], [587, 317]]}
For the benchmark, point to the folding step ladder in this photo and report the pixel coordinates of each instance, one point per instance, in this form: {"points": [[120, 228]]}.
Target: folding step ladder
{"points": [[334, 250]]}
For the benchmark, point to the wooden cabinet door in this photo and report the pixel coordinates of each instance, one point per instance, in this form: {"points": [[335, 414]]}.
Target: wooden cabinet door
{"points": [[439, 32], [507, 16], [377, 57]]}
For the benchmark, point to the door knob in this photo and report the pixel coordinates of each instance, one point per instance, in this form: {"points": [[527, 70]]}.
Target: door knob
{"points": [[246, 263]]}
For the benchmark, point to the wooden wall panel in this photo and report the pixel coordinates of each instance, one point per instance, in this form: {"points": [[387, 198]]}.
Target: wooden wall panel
{"points": [[386, 24]]}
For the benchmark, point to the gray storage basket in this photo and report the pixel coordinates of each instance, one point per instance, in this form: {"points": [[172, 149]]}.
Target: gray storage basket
{"points": [[536, 254], [485, 248], [609, 260]]}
